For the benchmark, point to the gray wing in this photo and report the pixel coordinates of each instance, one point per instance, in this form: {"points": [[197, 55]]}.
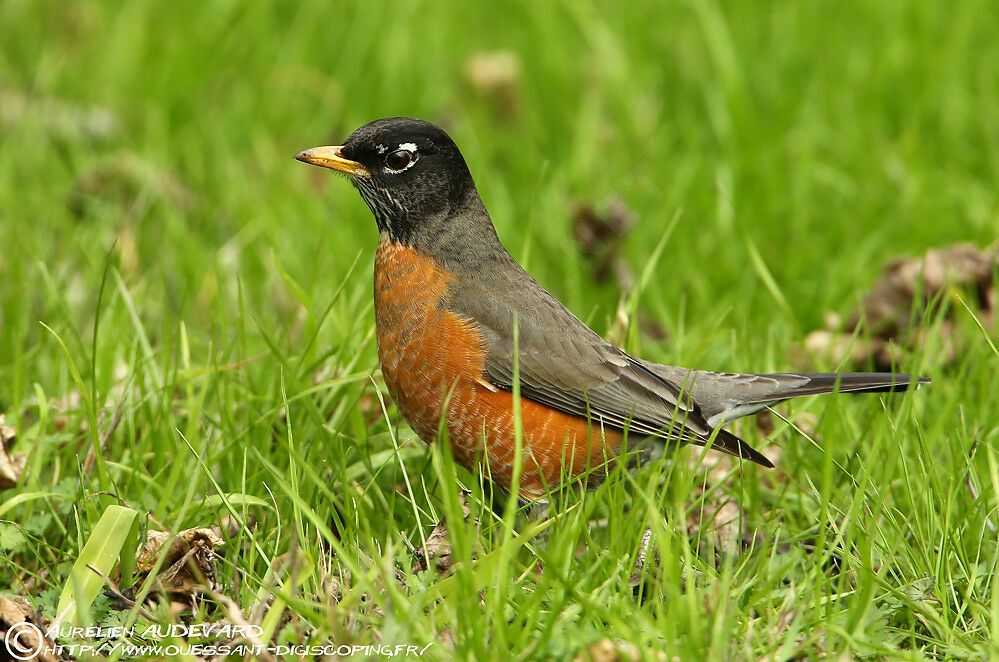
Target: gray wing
{"points": [[567, 366]]}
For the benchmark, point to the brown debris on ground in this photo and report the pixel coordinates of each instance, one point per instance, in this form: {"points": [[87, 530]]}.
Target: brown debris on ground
{"points": [[11, 464], [718, 521], [599, 236], [607, 650], [23, 632], [228, 527], [189, 564], [494, 76], [438, 551], [893, 309]]}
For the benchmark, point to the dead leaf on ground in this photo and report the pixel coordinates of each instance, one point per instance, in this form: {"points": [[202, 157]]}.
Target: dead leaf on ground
{"points": [[447, 638], [599, 236], [22, 627], [888, 306], [11, 464], [607, 650], [438, 551], [893, 308], [719, 514], [228, 527], [718, 521], [189, 563], [495, 77]]}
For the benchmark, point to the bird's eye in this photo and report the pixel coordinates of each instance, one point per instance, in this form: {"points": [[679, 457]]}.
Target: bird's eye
{"points": [[399, 159]]}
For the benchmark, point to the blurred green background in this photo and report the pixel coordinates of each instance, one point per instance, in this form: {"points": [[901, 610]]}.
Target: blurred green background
{"points": [[152, 216], [830, 136]]}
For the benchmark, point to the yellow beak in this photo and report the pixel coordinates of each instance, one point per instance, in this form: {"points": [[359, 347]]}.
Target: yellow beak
{"points": [[330, 157]]}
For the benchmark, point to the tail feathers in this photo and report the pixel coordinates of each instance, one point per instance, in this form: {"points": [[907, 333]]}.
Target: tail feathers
{"points": [[792, 386], [723, 397]]}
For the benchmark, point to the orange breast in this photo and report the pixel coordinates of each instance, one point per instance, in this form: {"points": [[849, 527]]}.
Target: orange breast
{"points": [[432, 358]]}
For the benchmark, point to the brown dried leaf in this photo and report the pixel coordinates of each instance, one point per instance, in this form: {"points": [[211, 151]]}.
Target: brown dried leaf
{"points": [[447, 638], [892, 308], [607, 650], [495, 77], [22, 628], [718, 522], [189, 563], [888, 306], [228, 526], [11, 464], [599, 237], [438, 549]]}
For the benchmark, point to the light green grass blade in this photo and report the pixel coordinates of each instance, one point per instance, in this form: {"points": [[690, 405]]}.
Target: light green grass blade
{"points": [[105, 546]]}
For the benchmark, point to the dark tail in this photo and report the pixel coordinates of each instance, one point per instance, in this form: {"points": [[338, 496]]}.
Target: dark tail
{"points": [[842, 382], [795, 385]]}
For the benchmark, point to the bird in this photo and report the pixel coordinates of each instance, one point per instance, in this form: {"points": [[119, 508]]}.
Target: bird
{"points": [[459, 323]]}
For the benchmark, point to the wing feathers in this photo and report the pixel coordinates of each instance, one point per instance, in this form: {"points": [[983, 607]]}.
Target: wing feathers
{"points": [[567, 366]]}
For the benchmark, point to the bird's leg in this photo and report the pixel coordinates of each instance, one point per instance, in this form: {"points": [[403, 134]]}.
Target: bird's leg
{"points": [[537, 511], [643, 552], [528, 512]]}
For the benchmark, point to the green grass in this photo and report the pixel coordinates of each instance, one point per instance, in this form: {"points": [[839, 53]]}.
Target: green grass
{"points": [[186, 311]]}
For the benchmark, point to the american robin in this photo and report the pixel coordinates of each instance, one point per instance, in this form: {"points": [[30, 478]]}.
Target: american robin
{"points": [[448, 298]]}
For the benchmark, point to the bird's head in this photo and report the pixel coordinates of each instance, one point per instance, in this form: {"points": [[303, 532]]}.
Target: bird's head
{"points": [[409, 172]]}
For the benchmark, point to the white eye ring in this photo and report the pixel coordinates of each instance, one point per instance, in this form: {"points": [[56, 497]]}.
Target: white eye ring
{"points": [[400, 160]]}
